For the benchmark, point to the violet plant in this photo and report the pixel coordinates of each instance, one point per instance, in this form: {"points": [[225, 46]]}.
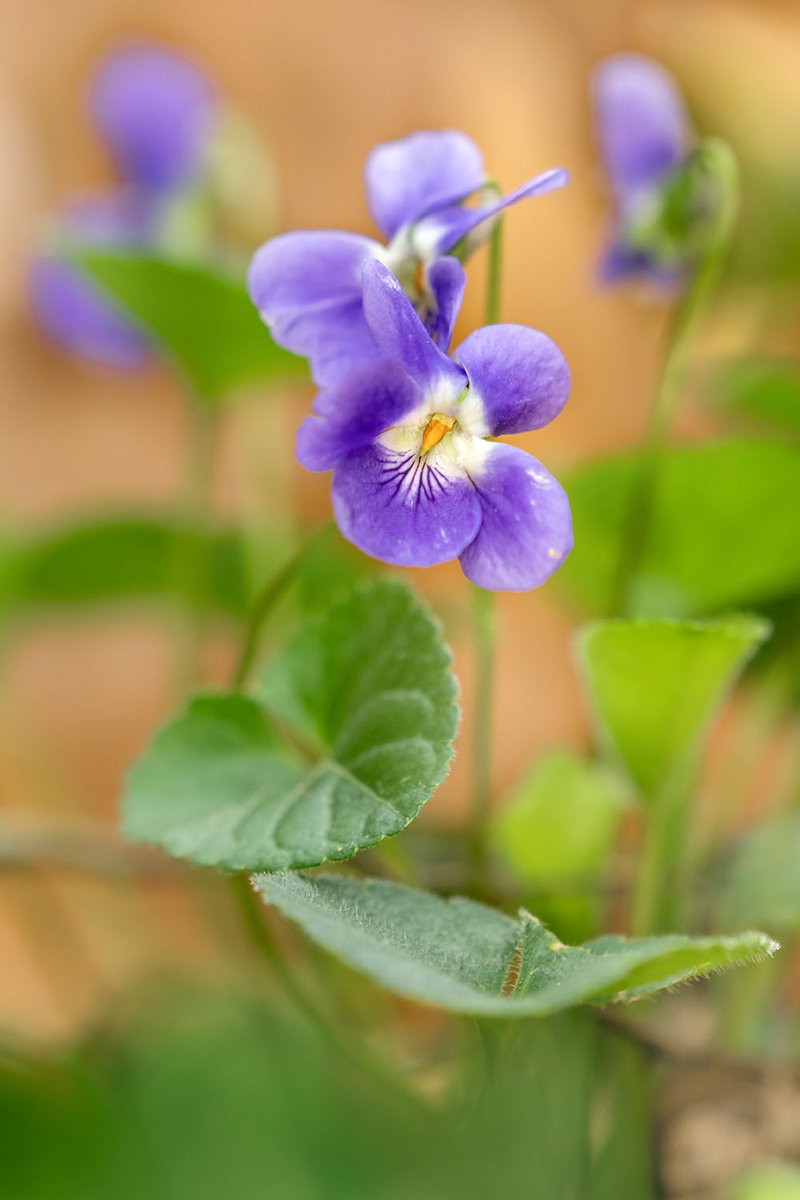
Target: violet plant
{"points": [[340, 717]]}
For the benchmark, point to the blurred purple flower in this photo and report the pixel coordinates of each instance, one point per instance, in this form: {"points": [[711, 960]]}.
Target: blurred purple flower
{"points": [[307, 284], [155, 109], [645, 137], [416, 479]]}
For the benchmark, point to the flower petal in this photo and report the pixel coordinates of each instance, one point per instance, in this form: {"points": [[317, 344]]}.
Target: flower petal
{"points": [[641, 119], [402, 509], [307, 288], [354, 413], [526, 526], [156, 110], [410, 177], [400, 335], [446, 280], [440, 231], [518, 380]]}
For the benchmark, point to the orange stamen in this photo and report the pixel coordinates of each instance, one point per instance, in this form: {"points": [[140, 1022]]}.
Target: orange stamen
{"points": [[434, 431]]}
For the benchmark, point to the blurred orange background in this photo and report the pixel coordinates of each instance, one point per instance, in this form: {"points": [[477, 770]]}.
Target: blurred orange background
{"points": [[323, 83]]}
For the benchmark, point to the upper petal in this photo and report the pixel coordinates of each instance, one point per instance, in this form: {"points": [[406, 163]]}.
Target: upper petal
{"points": [[410, 177], [641, 120], [353, 413], [446, 280], [156, 110], [400, 335], [439, 232], [307, 288], [526, 525], [402, 509], [518, 380]]}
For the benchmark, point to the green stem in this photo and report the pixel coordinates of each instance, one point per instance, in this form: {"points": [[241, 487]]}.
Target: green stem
{"points": [[494, 272], [483, 628], [688, 317], [192, 560], [484, 637], [267, 600], [260, 936], [661, 878]]}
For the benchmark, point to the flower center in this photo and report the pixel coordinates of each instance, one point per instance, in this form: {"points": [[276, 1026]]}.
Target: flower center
{"points": [[438, 425]]}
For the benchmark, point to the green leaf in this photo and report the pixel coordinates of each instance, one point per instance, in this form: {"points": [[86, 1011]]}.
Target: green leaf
{"points": [[366, 687], [465, 957], [558, 825], [769, 1181], [723, 532], [107, 559], [761, 880], [202, 317], [761, 389], [654, 686]]}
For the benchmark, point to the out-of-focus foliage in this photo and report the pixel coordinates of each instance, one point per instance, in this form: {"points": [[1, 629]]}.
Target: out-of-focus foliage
{"points": [[210, 1096], [722, 534], [773, 1181], [655, 685], [202, 317], [99, 560], [761, 879], [760, 390], [558, 825]]}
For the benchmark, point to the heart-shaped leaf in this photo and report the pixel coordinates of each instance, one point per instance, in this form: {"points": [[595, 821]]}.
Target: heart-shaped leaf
{"points": [[366, 687], [465, 957]]}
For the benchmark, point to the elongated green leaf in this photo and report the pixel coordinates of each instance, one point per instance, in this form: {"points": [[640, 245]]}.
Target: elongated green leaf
{"points": [[723, 532], [105, 559], [559, 823], [468, 958], [366, 686], [655, 685], [202, 317]]}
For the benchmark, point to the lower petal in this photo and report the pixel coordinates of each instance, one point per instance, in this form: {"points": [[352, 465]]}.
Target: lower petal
{"points": [[526, 525], [353, 413], [402, 510]]}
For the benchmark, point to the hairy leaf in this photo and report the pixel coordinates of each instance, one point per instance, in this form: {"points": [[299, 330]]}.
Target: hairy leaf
{"points": [[465, 957]]}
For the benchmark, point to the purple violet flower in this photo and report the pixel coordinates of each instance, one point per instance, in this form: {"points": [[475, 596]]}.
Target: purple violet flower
{"points": [[645, 138], [307, 284], [417, 480], [155, 109]]}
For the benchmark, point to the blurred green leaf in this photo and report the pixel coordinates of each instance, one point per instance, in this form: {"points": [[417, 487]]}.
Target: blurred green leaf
{"points": [[761, 879], [723, 532], [766, 390], [106, 559], [464, 957], [272, 1113], [558, 825], [202, 317], [654, 686], [769, 1181], [365, 688]]}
